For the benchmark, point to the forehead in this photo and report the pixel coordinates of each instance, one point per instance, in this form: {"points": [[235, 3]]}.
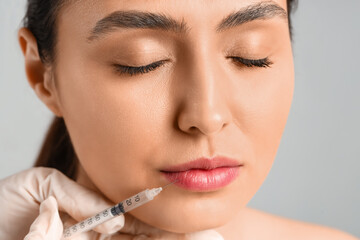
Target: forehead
{"points": [[78, 17]]}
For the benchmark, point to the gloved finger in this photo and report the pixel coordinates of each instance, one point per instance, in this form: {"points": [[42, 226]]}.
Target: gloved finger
{"points": [[201, 235], [204, 235], [48, 224], [19, 205], [76, 200], [124, 236]]}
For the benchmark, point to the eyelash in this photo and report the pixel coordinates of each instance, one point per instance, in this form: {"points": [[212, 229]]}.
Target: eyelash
{"points": [[262, 63], [138, 70]]}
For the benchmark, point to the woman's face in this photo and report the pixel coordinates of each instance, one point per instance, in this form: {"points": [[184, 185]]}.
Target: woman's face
{"points": [[199, 99]]}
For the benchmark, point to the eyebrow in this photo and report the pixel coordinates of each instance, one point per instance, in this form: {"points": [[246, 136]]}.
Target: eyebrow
{"points": [[261, 11], [146, 20]]}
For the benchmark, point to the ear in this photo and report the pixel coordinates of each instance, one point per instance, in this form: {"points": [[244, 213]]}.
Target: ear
{"points": [[39, 74]]}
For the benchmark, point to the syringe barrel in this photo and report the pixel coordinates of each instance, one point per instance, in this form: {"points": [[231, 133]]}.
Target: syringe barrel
{"points": [[89, 223], [121, 208]]}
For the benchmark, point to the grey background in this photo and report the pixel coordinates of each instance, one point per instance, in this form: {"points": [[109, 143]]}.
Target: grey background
{"points": [[315, 177]]}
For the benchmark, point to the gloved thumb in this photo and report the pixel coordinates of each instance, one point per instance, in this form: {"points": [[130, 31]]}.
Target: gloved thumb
{"points": [[48, 224]]}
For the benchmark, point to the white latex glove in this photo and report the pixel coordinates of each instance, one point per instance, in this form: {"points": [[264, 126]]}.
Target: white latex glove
{"points": [[23, 193]]}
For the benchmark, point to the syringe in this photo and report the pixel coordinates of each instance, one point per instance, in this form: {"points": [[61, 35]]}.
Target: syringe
{"points": [[121, 208]]}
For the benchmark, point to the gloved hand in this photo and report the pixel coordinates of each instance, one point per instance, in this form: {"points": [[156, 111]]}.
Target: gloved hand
{"points": [[23, 193]]}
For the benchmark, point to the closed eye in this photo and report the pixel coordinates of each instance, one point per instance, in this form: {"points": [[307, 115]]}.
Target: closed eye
{"points": [[263, 62], [134, 70]]}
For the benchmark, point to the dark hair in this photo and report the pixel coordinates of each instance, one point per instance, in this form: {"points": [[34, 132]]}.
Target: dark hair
{"points": [[57, 150]]}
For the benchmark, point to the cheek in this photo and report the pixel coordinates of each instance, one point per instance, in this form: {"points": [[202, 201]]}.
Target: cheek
{"points": [[263, 105], [113, 129], [267, 109]]}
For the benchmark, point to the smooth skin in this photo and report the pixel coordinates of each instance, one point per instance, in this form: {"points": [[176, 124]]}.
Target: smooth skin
{"points": [[199, 103]]}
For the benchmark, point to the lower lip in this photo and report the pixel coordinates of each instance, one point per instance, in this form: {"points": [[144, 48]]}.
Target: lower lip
{"points": [[204, 180]]}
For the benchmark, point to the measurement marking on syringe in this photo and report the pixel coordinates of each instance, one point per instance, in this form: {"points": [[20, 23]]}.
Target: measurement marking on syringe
{"points": [[121, 208]]}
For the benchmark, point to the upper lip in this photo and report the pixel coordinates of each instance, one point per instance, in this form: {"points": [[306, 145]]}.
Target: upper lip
{"points": [[204, 163]]}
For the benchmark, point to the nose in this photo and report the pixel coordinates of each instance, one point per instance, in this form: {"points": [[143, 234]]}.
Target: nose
{"points": [[204, 108]]}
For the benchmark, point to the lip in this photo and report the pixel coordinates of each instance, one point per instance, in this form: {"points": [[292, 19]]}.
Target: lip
{"points": [[204, 174]]}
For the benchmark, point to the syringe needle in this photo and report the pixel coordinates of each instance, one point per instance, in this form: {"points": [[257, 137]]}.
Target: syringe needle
{"points": [[169, 184]]}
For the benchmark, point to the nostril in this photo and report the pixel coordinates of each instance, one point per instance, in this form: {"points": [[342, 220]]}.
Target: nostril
{"points": [[192, 129]]}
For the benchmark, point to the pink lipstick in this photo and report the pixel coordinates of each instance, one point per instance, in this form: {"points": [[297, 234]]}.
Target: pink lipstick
{"points": [[204, 174]]}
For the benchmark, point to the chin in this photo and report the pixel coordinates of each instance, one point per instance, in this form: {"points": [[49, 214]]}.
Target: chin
{"points": [[186, 216], [185, 225]]}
